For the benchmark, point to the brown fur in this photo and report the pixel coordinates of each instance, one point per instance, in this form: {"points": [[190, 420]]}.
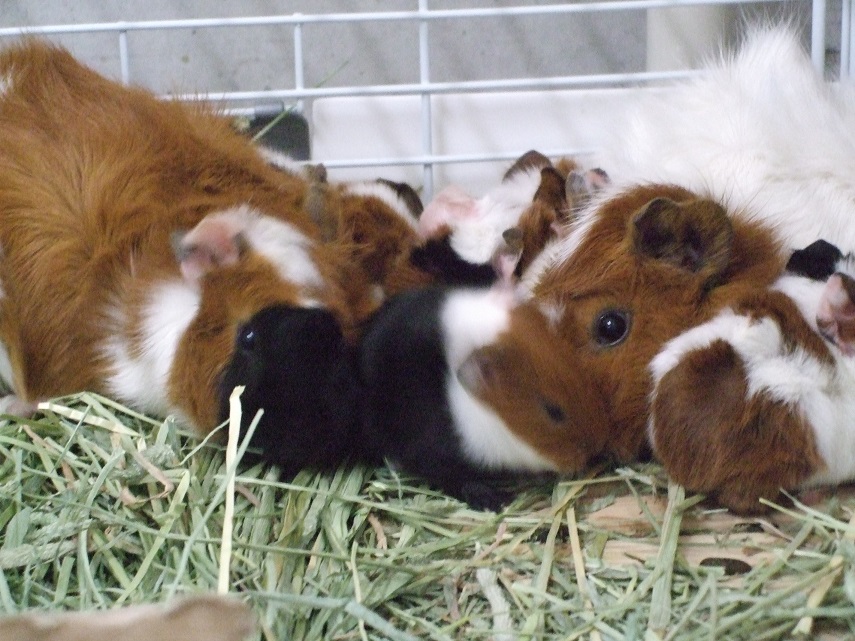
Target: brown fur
{"points": [[794, 328], [522, 374], [531, 159], [713, 437], [380, 240], [662, 289], [383, 243], [95, 178]]}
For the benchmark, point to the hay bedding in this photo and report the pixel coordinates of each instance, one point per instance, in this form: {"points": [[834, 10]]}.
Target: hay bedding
{"points": [[101, 507]]}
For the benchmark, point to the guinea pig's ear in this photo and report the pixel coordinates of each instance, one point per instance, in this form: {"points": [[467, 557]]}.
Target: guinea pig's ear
{"points": [[448, 206], [580, 187], [407, 195], [320, 207], [835, 314], [696, 235], [551, 190], [507, 255], [529, 160], [217, 241], [482, 370]]}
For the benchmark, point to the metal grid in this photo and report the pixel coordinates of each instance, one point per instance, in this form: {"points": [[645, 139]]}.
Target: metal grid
{"points": [[300, 97]]}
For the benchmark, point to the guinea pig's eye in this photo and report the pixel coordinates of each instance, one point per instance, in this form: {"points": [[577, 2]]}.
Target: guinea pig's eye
{"points": [[611, 327], [246, 338], [553, 411]]}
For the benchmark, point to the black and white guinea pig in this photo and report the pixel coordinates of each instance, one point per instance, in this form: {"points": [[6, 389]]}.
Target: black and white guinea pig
{"points": [[536, 197], [451, 395], [835, 312]]}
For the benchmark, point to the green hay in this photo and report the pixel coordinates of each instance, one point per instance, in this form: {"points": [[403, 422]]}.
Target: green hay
{"points": [[102, 507]]}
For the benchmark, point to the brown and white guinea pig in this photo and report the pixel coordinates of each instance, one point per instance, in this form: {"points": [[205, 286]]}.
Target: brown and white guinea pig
{"points": [[451, 394], [640, 267], [142, 241], [378, 219], [755, 401], [461, 234]]}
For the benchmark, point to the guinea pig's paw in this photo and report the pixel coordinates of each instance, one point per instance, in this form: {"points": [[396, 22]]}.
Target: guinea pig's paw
{"points": [[448, 207], [16, 406]]}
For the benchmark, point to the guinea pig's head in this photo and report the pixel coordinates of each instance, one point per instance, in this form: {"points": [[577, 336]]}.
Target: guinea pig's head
{"points": [[295, 366], [638, 270], [262, 306], [523, 377]]}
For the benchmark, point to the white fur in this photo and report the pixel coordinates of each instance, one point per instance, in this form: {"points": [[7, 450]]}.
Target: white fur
{"points": [[282, 244], [486, 438], [386, 194], [823, 394], [477, 238], [804, 292], [725, 324], [7, 379], [761, 132], [5, 84], [472, 319], [281, 161], [141, 379]]}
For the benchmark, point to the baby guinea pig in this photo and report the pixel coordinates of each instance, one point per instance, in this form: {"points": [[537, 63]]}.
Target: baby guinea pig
{"points": [[452, 396], [755, 400], [835, 312], [461, 233], [295, 365]]}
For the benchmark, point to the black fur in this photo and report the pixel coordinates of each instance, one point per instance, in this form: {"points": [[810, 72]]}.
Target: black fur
{"points": [[437, 258], [406, 413], [295, 365], [817, 261]]}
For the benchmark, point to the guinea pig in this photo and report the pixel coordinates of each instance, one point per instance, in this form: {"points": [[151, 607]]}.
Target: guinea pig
{"points": [[378, 220], [835, 314], [140, 238], [462, 233], [755, 400], [453, 396]]}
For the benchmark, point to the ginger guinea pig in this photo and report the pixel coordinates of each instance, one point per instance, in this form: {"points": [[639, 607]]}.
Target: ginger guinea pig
{"points": [[139, 239]]}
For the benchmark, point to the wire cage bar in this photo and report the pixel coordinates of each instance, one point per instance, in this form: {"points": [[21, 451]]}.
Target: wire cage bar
{"points": [[299, 96]]}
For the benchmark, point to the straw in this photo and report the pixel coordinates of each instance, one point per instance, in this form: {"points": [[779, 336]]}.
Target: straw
{"points": [[101, 507]]}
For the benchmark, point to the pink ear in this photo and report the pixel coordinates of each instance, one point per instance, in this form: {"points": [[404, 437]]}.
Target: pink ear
{"points": [[835, 315], [448, 206], [507, 257], [482, 370], [217, 241]]}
